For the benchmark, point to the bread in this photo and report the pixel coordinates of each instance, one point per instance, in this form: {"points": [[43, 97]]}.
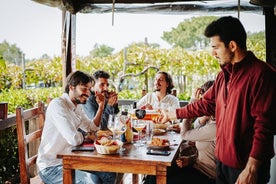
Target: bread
{"points": [[104, 133], [107, 146]]}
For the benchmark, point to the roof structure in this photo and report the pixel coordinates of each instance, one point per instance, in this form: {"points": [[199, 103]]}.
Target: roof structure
{"points": [[71, 7], [143, 6]]}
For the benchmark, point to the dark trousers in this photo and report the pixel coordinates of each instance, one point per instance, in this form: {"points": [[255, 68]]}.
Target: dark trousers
{"points": [[186, 175], [228, 175]]}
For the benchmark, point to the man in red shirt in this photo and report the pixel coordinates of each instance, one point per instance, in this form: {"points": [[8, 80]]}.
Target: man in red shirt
{"points": [[243, 100]]}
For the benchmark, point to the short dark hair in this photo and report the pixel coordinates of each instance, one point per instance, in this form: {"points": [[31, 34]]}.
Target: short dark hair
{"points": [[228, 29], [76, 78], [169, 80], [100, 74]]}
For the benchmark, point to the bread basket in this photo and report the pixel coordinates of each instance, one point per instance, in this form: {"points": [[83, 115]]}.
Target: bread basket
{"points": [[113, 148]]}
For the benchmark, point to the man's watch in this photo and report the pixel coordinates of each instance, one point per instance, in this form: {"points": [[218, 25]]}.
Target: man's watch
{"points": [[84, 133]]}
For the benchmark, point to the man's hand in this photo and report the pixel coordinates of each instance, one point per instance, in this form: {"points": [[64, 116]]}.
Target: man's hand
{"points": [[100, 99], [163, 116], [147, 107], [250, 173], [112, 98]]}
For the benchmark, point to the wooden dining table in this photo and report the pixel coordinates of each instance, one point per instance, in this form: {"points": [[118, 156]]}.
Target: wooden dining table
{"points": [[133, 159]]}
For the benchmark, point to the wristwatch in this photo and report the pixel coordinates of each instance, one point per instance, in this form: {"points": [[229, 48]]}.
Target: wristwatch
{"points": [[84, 133]]}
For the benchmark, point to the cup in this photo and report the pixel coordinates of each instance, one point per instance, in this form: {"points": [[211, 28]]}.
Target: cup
{"points": [[3, 110], [149, 131]]}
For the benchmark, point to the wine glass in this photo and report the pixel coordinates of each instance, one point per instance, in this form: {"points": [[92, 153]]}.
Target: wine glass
{"points": [[119, 128], [139, 125], [112, 118]]}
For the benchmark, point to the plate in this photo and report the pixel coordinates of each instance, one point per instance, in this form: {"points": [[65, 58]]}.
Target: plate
{"points": [[159, 131], [160, 126], [158, 144], [163, 147]]}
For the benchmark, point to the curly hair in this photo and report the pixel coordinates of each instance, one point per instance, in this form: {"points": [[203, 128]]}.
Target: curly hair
{"points": [[169, 80]]}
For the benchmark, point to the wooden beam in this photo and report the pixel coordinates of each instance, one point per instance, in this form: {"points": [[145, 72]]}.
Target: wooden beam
{"points": [[68, 47], [270, 30]]}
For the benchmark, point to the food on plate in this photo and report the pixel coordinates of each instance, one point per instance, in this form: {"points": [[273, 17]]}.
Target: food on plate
{"points": [[175, 127], [107, 146], [160, 126], [155, 141], [158, 131]]}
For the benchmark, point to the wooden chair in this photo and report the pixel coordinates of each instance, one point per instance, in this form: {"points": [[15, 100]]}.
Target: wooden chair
{"points": [[29, 124]]}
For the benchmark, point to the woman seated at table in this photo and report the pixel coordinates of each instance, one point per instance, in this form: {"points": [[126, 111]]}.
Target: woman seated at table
{"points": [[201, 167]]}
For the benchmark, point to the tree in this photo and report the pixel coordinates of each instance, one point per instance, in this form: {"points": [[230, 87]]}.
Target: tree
{"points": [[10, 53], [101, 51], [189, 33]]}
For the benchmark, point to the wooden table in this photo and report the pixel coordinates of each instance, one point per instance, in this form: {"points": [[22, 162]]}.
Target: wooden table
{"points": [[132, 160]]}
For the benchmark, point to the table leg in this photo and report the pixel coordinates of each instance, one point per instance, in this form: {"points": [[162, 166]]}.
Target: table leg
{"points": [[161, 175], [68, 176], [135, 179]]}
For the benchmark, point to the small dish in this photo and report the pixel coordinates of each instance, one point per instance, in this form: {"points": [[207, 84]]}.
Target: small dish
{"points": [[158, 131], [158, 144], [163, 147], [160, 126]]}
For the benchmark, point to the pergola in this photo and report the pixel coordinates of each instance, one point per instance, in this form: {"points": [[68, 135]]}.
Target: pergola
{"points": [[71, 7]]}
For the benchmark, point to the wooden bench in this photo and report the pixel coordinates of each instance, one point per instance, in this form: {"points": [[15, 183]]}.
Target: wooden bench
{"points": [[29, 124]]}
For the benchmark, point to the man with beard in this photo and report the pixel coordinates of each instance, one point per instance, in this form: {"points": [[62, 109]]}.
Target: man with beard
{"points": [[243, 99], [65, 126], [161, 98], [111, 99]]}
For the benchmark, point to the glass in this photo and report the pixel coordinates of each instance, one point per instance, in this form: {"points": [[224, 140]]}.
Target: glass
{"points": [[149, 131], [126, 108], [111, 123], [139, 125], [116, 126]]}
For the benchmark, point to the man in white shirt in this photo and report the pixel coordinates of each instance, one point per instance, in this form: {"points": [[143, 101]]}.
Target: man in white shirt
{"points": [[161, 98], [65, 126]]}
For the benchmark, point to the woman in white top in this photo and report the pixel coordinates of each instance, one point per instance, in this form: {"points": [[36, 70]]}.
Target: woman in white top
{"points": [[199, 168]]}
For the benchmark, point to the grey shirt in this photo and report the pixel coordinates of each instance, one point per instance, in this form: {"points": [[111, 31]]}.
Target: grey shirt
{"points": [[91, 108]]}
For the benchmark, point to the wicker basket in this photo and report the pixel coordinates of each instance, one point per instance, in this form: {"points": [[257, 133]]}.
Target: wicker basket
{"points": [[112, 149]]}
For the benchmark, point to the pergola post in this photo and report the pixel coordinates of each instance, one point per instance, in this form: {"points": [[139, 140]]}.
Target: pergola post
{"points": [[270, 30], [68, 45]]}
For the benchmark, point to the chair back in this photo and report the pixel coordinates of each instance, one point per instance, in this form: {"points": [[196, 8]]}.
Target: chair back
{"points": [[29, 124]]}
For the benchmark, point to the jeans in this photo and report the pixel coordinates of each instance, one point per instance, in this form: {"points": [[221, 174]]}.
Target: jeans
{"points": [[54, 175]]}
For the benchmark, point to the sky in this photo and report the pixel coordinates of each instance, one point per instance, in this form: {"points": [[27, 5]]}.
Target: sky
{"points": [[36, 28]]}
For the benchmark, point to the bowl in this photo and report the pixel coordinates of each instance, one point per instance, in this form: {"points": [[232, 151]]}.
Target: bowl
{"points": [[113, 148]]}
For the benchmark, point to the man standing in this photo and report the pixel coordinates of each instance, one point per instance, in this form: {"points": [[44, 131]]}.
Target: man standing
{"points": [[243, 99], [111, 99], [65, 126]]}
